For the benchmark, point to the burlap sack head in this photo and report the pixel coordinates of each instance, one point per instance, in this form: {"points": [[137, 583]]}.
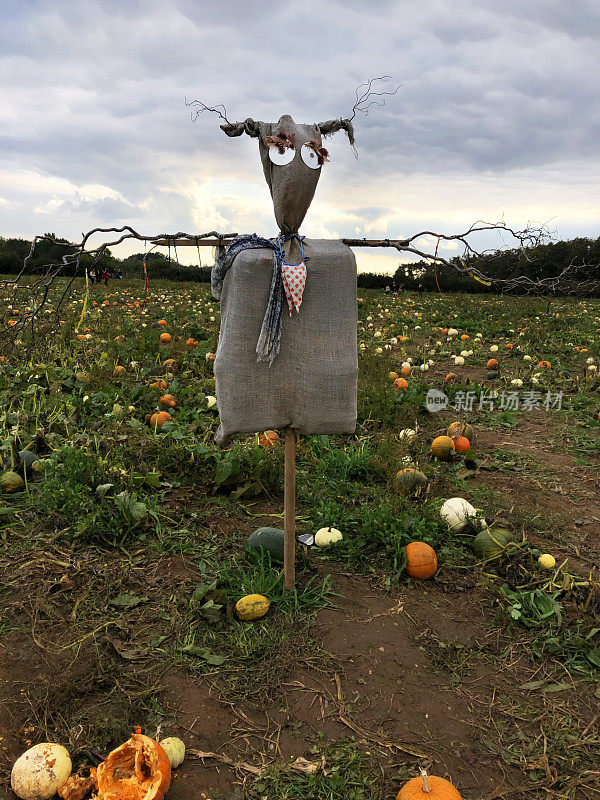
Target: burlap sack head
{"points": [[292, 185]]}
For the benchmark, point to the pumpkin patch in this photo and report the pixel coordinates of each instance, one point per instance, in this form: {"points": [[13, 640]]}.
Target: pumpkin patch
{"points": [[435, 544]]}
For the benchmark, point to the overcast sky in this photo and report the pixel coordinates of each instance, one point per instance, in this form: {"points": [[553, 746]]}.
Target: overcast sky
{"points": [[497, 116]]}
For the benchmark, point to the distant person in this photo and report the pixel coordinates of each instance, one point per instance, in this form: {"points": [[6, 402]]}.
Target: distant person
{"points": [[106, 276], [92, 275], [387, 289], [421, 289]]}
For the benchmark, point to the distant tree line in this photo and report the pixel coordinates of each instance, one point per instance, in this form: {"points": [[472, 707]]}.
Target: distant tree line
{"points": [[160, 266], [14, 251], [577, 260], [580, 257]]}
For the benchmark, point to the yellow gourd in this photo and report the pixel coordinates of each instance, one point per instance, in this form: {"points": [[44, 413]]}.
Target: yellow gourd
{"points": [[251, 607]]}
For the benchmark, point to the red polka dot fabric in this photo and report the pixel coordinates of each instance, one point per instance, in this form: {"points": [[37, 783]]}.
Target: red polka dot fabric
{"points": [[294, 280]]}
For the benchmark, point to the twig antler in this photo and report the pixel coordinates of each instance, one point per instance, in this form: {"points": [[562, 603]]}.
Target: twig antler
{"points": [[200, 107], [361, 98]]}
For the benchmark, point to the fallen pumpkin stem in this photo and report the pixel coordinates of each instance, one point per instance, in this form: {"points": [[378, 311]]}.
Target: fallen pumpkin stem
{"points": [[225, 760]]}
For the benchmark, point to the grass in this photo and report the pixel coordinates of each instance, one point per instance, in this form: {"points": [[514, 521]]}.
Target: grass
{"points": [[342, 773]]}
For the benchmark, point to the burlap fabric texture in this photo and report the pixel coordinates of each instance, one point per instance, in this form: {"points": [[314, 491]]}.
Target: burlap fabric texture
{"points": [[312, 383]]}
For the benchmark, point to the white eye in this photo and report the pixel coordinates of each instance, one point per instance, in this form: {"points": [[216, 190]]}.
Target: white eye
{"points": [[281, 158], [309, 157]]}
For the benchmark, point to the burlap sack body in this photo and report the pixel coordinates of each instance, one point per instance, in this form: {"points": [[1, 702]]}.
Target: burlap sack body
{"points": [[312, 383]]}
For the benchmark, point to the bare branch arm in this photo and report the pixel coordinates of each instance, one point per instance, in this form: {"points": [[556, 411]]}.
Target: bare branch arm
{"points": [[365, 91]]}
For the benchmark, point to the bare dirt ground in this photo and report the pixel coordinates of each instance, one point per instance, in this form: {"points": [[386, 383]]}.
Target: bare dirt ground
{"points": [[421, 672]]}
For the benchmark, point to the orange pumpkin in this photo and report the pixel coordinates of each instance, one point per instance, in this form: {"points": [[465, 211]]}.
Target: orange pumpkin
{"points": [[451, 376], [421, 560], [137, 770], [400, 384], [162, 321], [158, 419], [461, 444], [392, 375], [165, 338], [167, 400], [170, 362], [118, 371], [191, 343], [492, 364], [159, 384], [428, 787], [544, 365], [405, 371], [268, 439], [465, 337]]}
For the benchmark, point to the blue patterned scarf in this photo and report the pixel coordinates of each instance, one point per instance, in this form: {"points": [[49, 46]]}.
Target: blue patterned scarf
{"points": [[269, 340]]}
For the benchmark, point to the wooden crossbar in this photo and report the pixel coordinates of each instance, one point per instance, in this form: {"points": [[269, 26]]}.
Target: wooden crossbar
{"points": [[224, 239]]}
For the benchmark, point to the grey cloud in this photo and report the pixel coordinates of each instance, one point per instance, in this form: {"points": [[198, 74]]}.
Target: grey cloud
{"points": [[95, 94]]}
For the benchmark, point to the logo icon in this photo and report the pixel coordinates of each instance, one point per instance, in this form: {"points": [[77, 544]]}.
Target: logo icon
{"points": [[435, 400]]}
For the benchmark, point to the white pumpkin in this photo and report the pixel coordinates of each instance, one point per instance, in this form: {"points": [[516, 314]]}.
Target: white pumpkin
{"points": [[406, 434], [211, 401], [326, 536], [40, 772], [457, 513], [175, 749]]}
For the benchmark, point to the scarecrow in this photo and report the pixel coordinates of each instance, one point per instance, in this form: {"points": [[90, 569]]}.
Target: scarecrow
{"points": [[287, 352]]}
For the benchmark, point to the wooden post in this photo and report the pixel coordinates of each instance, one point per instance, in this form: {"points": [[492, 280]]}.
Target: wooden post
{"points": [[289, 510]]}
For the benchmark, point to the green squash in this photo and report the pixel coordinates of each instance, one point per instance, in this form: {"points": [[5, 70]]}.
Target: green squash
{"points": [[492, 542], [409, 481], [269, 540], [492, 374], [28, 459], [11, 482]]}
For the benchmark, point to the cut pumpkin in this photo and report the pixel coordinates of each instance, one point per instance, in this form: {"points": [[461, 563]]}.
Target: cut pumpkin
{"points": [[137, 770]]}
